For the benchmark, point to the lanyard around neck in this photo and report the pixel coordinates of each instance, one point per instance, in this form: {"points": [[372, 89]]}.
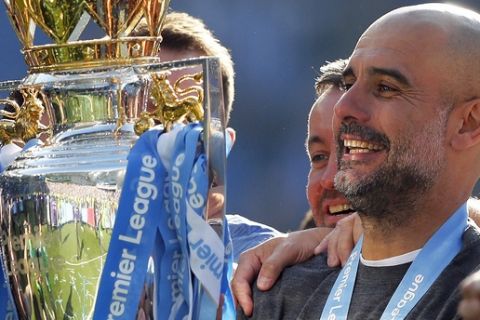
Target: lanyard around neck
{"points": [[434, 257]]}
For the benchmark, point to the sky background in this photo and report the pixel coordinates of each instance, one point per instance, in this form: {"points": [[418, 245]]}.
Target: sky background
{"points": [[277, 47]]}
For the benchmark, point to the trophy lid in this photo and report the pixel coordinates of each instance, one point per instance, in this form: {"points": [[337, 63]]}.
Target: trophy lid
{"points": [[64, 21]]}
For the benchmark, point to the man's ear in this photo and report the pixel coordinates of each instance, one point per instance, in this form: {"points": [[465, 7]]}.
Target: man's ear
{"points": [[231, 136], [232, 133], [467, 132]]}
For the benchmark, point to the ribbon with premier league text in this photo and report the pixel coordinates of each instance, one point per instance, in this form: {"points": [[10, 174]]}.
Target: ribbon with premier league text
{"points": [[194, 261], [162, 214], [133, 235], [439, 251]]}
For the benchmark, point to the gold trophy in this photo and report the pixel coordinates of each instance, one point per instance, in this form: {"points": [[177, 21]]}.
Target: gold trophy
{"points": [[84, 102]]}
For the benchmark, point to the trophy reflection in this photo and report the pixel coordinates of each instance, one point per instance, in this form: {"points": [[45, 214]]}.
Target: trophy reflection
{"points": [[76, 115]]}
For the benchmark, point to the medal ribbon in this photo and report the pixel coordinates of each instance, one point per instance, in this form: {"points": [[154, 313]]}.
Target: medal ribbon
{"points": [[162, 214], [133, 235], [439, 251], [202, 257]]}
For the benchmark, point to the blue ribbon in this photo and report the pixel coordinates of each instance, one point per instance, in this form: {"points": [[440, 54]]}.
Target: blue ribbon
{"points": [[213, 266], [192, 237], [439, 251], [133, 235], [170, 230], [181, 302], [228, 310]]}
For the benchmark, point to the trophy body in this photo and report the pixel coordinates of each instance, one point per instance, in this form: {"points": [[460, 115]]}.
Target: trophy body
{"points": [[59, 198], [58, 202]]}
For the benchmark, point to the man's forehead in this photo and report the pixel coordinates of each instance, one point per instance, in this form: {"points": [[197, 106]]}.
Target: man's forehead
{"points": [[321, 116], [326, 101], [428, 24], [391, 54], [408, 30], [379, 62], [322, 109]]}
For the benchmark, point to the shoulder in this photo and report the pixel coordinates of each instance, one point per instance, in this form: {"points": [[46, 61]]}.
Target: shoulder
{"points": [[238, 224], [443, 297], [471, 236], [468, 258], [247, 234], [295, 287]]}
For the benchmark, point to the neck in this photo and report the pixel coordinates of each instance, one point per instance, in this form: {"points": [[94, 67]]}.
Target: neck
{"points": [[378, 244], [381, 242]]}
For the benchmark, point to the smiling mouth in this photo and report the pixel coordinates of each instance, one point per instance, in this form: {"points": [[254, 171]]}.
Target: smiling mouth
{"points": [[340, 209], [359, 146]]}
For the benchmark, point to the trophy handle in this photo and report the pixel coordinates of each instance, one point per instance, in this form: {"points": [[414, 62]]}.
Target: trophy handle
{"points": [[172, 103], [23, 123]]}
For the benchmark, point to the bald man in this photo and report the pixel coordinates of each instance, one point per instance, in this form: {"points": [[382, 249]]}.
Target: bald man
{"points": [[408, 141]]}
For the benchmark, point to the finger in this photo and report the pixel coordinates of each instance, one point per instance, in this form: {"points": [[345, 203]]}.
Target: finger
{"points": [[296, 247], [141, 315], [248, 267], [273, 266], [333, 259], [243, 296], [323, 235], [323, 246]]}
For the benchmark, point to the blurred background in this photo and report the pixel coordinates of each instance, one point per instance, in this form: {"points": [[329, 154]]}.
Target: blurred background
{"points": [[277, 47]]}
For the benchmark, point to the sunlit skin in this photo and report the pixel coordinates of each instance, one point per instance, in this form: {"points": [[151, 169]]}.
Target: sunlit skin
{"points": [[326, 203], [395, 80], [167, 54], [402, 66]]}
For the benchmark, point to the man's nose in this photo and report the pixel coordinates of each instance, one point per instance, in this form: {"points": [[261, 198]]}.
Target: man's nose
{"points": [[352, 106], [328, 176]]}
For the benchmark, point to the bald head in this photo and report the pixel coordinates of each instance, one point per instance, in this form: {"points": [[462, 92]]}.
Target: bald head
{"points": [[434, 12], [411, 80], [450, 37]]}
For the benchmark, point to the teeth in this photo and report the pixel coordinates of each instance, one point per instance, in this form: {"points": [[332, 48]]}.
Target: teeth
{"points": [[359, 150], [362, 146], [339, 208]]}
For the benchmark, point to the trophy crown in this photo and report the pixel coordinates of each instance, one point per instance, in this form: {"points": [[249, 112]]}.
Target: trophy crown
{"points": [[64, 22]]}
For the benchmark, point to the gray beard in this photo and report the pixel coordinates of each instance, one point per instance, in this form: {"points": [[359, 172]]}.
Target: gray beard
{"points": [[390, 196], [395, 192]]}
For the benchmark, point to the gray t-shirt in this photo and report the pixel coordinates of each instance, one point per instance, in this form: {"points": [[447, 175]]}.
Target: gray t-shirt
{"points": [[303, 289]]}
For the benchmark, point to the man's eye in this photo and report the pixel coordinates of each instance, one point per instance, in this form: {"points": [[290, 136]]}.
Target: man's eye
{"points": [[319, 158], [385, 88], [346, 86]]}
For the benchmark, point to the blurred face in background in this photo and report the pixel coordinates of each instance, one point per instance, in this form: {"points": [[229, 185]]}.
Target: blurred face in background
{"points": [[327, 204], [167, 55]]}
